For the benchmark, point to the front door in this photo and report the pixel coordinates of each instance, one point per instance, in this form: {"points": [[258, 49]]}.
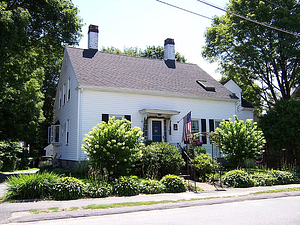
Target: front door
{"points": [[156, 131]]}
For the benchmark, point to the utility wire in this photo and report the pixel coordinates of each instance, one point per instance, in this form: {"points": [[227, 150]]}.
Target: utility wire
{"points": [[177, 7], [251, 20], [273, 3]]}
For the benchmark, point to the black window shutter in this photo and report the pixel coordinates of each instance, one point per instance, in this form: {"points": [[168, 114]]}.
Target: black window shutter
{"points": [[203, 129], [211, 125], [105, 117], [128, 117]]}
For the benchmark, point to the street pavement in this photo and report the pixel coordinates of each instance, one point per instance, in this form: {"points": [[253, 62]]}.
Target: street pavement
{"points": [[18, 211]]}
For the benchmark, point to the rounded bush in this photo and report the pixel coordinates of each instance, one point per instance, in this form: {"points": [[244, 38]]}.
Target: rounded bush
{"points": [[263, 179], [126, 186], [282, 177], [173, 184], [205, 165], [102, 190], [238, 179], [151, 187], [68, 188], [159, 159]]}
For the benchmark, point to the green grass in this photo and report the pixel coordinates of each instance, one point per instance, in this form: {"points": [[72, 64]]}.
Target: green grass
{"points": [[19, 170], [277, 191]]}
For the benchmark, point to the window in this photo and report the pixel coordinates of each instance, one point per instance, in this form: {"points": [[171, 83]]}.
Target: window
{"points": [[106, 117], [195, 126], [64, 94], [203, 129], [67, 131], [53, 135], [68, 90], [60, 96]]}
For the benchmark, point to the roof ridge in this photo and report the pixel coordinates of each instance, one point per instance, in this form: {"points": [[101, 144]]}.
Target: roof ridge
{"points": [[125, 55]]}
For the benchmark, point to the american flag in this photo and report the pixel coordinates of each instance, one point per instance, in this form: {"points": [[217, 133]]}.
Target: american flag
{"points": [[187, 127]]}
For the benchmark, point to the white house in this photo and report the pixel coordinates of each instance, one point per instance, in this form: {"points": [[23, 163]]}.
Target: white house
{"points": [[244, 109], [153, 94]]}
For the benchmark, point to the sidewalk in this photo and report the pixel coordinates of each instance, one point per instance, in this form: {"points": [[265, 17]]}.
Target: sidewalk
{"points": [[18, 211]]}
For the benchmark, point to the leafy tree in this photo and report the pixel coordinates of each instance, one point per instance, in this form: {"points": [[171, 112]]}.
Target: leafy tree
{"points": [[281, 126], [153, 52], [238, 140], [32, 35], [113, 146], [249, 52]]}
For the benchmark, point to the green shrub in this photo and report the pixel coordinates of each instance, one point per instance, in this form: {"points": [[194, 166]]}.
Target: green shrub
{"points": [[263, 179], [151, 187], [205, 165], [282, 177], [126, 186], [101, 190], [81, 167], [238, 141], [113, 146], [31, 186], [159, 159], [173, 184], [67, 188], [238, 179]]}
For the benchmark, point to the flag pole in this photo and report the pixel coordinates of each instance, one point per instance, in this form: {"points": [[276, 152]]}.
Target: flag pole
{"points": [[184, 115]]}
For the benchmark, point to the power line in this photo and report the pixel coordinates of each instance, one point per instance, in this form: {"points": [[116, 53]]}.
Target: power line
{"points": [[177, 7], [251, 20], [273, 3]]}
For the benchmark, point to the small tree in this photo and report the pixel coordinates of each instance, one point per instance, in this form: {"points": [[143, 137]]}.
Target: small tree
{"points": [[238, 140], [113, 146]]}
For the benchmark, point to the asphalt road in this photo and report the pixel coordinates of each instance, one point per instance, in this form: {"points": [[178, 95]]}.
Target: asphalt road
{"points": [[276, 211]]}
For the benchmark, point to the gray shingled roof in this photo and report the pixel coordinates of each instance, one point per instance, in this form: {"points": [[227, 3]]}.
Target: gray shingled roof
{"points": [[108, 70]]}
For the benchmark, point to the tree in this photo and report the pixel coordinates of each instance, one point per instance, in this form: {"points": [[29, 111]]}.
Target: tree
{"points": [[113, 146], [32, 35], [281, 126], [152, 52], [238, 140], [252, 53]]}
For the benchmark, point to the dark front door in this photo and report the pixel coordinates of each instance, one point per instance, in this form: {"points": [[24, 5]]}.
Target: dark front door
{"points": [[156, 131]]}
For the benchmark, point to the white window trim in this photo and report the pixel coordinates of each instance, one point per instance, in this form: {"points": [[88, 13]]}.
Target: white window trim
{"points": [[68, 90], [67, 141]]}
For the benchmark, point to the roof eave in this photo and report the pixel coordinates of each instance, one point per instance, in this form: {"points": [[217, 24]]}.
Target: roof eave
{"points": [[156, 93]]}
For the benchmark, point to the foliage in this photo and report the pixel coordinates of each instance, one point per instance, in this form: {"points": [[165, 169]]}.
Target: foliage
{"points": [[153, 52], [173, 184], [10, 155], [126, 186], [32, 35], [81, 167], [67, 188], [241, 178], [238, 179], [281, 127], [151, 187], [159, 159], [238, 141], [113, 146], [31, 186], [249, 52], [100, 190], [204, 165]]}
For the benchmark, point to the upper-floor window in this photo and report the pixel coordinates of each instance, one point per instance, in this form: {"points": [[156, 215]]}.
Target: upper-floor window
{"points": [[64, 94], [60, 99], [68, 90]]}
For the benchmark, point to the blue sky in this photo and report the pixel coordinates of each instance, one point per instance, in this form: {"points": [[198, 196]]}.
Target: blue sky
{"points": [[142, 23]]}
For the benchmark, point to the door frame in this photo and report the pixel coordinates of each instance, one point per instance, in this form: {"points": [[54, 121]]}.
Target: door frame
{"points": [[150, 128]]}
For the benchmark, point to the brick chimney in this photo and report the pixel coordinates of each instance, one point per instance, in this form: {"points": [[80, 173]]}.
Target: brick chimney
{"points": [[169, 49], [93, 37]]}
